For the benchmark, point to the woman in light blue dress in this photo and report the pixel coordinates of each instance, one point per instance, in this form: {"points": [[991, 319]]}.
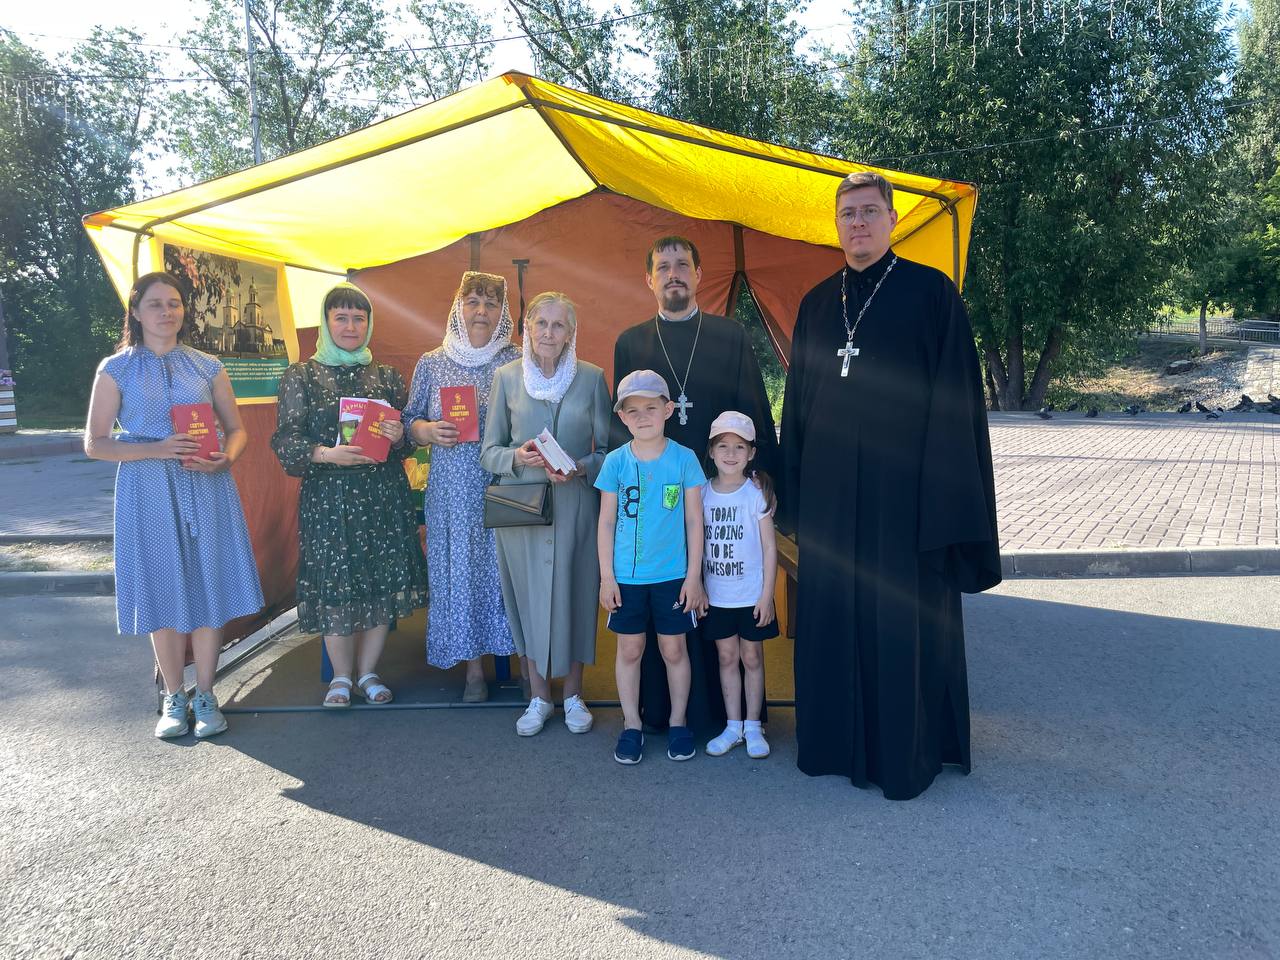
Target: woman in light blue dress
{"points": [[184, 565], [465, 615]]}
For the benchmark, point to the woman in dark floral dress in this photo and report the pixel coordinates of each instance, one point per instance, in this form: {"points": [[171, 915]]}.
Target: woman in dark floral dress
{"points": [[360, 564]]}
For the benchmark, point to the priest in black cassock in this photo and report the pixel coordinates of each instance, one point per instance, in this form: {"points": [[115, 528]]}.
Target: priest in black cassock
{"points": [[708, 363], [887, 483]]}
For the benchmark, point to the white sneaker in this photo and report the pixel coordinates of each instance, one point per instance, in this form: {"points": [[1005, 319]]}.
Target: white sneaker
{"points": [[722, 744], [576, 715], [209, 719], [534, 717], [173, 716], [757, 745]]}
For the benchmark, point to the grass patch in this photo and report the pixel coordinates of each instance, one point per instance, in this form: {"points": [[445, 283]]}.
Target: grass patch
{"points": [[1138, 377]]}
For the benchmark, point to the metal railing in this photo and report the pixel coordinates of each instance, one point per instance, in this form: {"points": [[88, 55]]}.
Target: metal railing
{"points": [[1219, 328]]}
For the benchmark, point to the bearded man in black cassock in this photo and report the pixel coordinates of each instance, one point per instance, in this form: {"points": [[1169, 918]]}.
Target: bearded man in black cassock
{"points": [[708, 363], [887, 483]]}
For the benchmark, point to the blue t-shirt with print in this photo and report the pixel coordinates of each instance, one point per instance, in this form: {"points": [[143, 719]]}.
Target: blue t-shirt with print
{"points": [[649, 539]]}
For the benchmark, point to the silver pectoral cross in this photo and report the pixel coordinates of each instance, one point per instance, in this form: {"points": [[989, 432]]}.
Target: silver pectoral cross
{"points": [[683, 403], [849, 350]]}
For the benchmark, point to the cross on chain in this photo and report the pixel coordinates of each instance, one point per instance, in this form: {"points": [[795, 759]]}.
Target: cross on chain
{"points": [[849, 350], [683, 404]]}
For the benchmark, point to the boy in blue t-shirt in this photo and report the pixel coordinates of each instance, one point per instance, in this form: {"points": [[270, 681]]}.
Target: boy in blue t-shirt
{"points": [[650, 542]]}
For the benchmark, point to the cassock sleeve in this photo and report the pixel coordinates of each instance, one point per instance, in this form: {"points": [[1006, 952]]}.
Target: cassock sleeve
{"points": [[958, 533], [792, 442], [753, 400], [618, 434]]}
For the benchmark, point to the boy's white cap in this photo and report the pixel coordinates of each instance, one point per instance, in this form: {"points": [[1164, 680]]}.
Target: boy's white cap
{"points": [[731, 421], [641, 383]]}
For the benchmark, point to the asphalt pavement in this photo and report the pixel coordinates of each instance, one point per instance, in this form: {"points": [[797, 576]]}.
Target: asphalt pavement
{"points": [[1123, 803]]}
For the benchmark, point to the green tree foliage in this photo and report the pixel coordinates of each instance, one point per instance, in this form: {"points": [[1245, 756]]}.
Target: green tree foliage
{"points": [[736, 65], [1258, 83], [1092, 141], [1255, 279], [322, 68], [575, 43], [67, 148]]}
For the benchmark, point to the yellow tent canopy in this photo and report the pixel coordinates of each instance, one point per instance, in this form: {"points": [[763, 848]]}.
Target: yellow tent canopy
{"points": [[495, 154]]}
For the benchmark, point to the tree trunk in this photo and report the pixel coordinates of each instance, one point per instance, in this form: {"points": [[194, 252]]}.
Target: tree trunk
{"points": [[1040, 382], [1204, 327], [1015, 385]]}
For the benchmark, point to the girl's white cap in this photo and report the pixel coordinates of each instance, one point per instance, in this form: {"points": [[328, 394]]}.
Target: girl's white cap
{"points": [[731, 421]]}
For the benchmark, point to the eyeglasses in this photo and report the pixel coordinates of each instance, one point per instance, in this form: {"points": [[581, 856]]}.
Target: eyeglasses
{"points": [[870, 214]]}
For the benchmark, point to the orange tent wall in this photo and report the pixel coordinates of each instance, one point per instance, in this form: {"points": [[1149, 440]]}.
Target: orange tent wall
{"points": [[593, 249]]}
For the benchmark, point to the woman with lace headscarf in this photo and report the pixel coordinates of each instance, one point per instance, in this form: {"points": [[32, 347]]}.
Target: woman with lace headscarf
{"points": [[465, 616], [551, 575]]}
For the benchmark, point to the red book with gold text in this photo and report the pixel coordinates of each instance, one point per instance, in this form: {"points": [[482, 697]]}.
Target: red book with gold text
{"points": [[458, 405], [368, 437], [196, 420]]}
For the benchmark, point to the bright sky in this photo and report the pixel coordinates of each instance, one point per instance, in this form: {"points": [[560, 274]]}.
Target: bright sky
{"points": [[163, 21]]}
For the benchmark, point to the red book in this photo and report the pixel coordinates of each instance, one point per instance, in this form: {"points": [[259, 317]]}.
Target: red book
{"points": [[196, 420], [459, 407], [368, 436]]}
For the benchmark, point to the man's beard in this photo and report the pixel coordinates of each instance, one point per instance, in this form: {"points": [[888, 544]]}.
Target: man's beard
{"points": [[676, 299]]}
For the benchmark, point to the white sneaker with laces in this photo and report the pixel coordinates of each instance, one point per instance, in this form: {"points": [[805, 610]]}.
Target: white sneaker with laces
{"points": [[173, 716], [209, 719], [534, 717], [576, 715]]}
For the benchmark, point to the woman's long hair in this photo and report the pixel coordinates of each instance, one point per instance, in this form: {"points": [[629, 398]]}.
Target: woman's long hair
{"points": [[131, 332], [752, 472]]}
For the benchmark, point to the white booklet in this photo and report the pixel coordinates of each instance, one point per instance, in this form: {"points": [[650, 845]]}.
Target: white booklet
{"points": [[553, 453]]}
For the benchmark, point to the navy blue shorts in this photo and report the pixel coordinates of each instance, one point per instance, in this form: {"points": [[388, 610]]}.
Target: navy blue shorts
{"points": [[722, 622], [656, 603]]}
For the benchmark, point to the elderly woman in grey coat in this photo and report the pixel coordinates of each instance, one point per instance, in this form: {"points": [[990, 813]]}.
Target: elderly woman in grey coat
{"points": [[550, 574]]}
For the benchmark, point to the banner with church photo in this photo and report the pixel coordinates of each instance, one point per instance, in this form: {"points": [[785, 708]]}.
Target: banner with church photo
{"points": [[239, 315]]}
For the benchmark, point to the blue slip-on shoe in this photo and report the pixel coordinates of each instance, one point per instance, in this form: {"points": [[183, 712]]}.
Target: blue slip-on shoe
{"points": [[680, 744], [630, 748]]}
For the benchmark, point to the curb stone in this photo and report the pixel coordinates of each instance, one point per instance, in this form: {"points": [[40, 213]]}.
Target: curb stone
{"points": [[1139, 563], [63, 583]]}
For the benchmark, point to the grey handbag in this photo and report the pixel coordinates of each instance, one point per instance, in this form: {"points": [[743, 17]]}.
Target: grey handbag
{"points": [[517, 505]]}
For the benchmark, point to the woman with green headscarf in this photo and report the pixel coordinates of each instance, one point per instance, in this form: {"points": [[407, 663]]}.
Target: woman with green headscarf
{"points": [[360, 563]]}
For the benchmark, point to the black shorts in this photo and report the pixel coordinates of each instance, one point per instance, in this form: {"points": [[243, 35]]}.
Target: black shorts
{"points": [[656, 603], [722, 622]]}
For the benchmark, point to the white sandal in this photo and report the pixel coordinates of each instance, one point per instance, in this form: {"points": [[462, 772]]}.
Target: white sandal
{"points": [[370, 686], [338, 687]]}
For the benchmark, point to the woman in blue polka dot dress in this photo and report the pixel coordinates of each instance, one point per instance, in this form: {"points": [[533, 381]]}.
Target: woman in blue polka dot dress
{"points": [[184, 565]]}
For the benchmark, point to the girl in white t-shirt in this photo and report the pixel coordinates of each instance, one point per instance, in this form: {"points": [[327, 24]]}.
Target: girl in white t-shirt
{"points": [[739, 568]]}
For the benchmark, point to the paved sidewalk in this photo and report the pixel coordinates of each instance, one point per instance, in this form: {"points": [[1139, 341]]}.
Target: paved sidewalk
{"points": [[23, 444], [1115, 483], [1262, 372], [1152, 481]]}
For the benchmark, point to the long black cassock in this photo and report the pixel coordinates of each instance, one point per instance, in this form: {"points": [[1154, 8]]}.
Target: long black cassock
{"points": [[724, 375], [887, 482]]}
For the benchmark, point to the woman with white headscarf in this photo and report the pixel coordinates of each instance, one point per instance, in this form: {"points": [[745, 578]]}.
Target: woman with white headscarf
{"points": [[465, 616], [551, 575]]}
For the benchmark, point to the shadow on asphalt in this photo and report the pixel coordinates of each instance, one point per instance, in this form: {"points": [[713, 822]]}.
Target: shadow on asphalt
{"points": [[1123, 792]]}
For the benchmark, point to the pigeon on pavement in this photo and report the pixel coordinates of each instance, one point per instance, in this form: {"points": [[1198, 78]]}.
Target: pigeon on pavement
{"points": [[1185, 408]]}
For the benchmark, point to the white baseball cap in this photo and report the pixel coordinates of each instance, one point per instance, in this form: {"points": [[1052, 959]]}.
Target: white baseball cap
{"points": [[641, 383], [731, 421]]}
